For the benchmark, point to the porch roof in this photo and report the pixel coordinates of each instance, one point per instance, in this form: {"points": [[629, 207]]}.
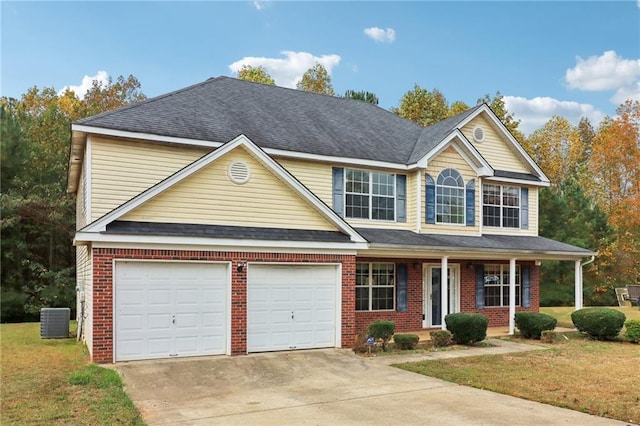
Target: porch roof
{"points": [[477, 247]]}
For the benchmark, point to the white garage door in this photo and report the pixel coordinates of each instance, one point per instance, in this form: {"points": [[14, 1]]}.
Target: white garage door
{"points": [[291, 307], [170, 309]]}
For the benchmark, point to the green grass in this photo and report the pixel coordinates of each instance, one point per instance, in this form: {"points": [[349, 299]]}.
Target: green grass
{"points": [[584, 375], [50, 381]]}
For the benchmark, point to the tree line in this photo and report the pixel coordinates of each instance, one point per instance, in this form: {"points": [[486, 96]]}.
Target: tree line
{"points": [[594, 201]]}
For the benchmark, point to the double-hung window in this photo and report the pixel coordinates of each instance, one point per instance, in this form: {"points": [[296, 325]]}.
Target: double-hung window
{"points": [[375, 286], [450, 197], [370, 195], [501, 206], [496, 285]]}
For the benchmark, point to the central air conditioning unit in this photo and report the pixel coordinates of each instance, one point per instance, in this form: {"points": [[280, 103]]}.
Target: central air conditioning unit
{"points": [[54, 323]]}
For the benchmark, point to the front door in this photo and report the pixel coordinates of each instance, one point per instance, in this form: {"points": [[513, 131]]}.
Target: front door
{"points": [[433, 294]]}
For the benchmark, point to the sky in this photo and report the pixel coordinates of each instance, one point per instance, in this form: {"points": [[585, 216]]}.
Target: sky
{"points": [[574, 59]]}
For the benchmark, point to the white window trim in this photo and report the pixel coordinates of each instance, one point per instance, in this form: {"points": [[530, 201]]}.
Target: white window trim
{"points": [[370, 287], [501, 206], [371, 195], [504, 286]]}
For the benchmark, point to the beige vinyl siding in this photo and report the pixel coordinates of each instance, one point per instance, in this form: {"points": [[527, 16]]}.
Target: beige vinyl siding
{"points": [[450, 158], [317, 177], [533, 217], [81, 199], [210, 197], [84, 281], [495, 148], [122, 169]]}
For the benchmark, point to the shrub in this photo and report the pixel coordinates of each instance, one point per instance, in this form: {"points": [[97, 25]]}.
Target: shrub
{"points": [[532, 324], [441, 338], [406, 341], [382, 330], [599, 323], [633, 331], [467, 328]]}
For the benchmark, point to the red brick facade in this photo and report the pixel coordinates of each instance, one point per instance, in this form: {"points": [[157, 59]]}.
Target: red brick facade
{"points": [[352, 322]]}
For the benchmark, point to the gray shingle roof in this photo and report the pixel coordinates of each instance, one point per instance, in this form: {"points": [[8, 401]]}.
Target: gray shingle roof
{"points": [[219, 109], [502, 243], [218, 231]]}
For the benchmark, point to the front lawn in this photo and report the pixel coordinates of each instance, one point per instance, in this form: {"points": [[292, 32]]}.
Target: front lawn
{"points": [[50, 381], [593, 377]]}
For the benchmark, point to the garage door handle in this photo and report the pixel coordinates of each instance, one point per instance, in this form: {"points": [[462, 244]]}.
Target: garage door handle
{"points": [[291, 314], [173, 319]]}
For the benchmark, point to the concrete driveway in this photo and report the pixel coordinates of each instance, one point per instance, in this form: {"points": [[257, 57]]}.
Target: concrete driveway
{"points": [[319, 387]]}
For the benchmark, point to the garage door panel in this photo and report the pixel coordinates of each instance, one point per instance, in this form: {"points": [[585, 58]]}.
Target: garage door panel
{"points": [[275, 292], [150, 295]]}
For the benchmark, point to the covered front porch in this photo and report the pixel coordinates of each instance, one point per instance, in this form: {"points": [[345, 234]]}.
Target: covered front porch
{"points": [[496, 275]]}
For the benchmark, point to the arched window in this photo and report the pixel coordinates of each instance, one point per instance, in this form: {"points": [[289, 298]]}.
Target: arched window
{"points": [[450, 197]]}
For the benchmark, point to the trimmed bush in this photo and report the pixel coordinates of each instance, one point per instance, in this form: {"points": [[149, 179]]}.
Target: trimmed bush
{"points": [[532, 324], [467, 328], [633, 331], [599, 323], [406, 341], [441, 338], [382, 330]]}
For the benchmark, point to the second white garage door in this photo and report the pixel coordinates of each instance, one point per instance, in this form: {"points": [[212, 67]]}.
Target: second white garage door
{"points": [[291, 307]]}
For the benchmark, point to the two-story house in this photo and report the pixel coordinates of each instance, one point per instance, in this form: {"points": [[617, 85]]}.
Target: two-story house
{"points": [[233, 217]]}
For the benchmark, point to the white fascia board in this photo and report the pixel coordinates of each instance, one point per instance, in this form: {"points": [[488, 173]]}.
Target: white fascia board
{"points": [[212, 145], [456, 138], [384, 250], [144, 136], [497, 123], [221, 244], [518, 181]]}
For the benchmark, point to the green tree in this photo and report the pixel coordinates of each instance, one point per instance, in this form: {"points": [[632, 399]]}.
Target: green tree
{"points": [[362, 96], [317, 80], [38, 218], [423, 107], [256, 74], [457, 107], [499, 109], [567, 214]]}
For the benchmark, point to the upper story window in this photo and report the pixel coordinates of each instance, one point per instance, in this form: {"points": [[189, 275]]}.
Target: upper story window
{"points": [[501, 206], [370, 195], [450, 197]]}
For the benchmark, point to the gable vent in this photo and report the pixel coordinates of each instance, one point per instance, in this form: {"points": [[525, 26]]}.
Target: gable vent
{"points": [[239, 172], [478, 134]]}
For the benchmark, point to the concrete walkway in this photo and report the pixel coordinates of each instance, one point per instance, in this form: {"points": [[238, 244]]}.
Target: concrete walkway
{"points": [[325, 387]]}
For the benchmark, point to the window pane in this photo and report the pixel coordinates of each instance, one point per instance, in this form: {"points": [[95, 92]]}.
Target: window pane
{"points": [[383, 184], [382, 298], [357, 181], [491, 216], [449, 197], [511, 196], [510, 217], [357, 206], [362, 298], [382, 208]]}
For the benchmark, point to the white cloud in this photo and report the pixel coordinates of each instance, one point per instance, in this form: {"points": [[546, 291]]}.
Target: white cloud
{"points": [[260, 4], [287, 71], [534, 113], [87, 81], [606, 72], [381, 35]]}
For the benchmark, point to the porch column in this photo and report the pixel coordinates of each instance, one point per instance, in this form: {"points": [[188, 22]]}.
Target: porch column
{"points": [[512, 296], [578, 285], [444, 291]]}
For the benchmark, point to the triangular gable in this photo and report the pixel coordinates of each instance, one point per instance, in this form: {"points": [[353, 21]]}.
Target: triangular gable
{"points": [[187, 174], [467, 151], [504, 133]]}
